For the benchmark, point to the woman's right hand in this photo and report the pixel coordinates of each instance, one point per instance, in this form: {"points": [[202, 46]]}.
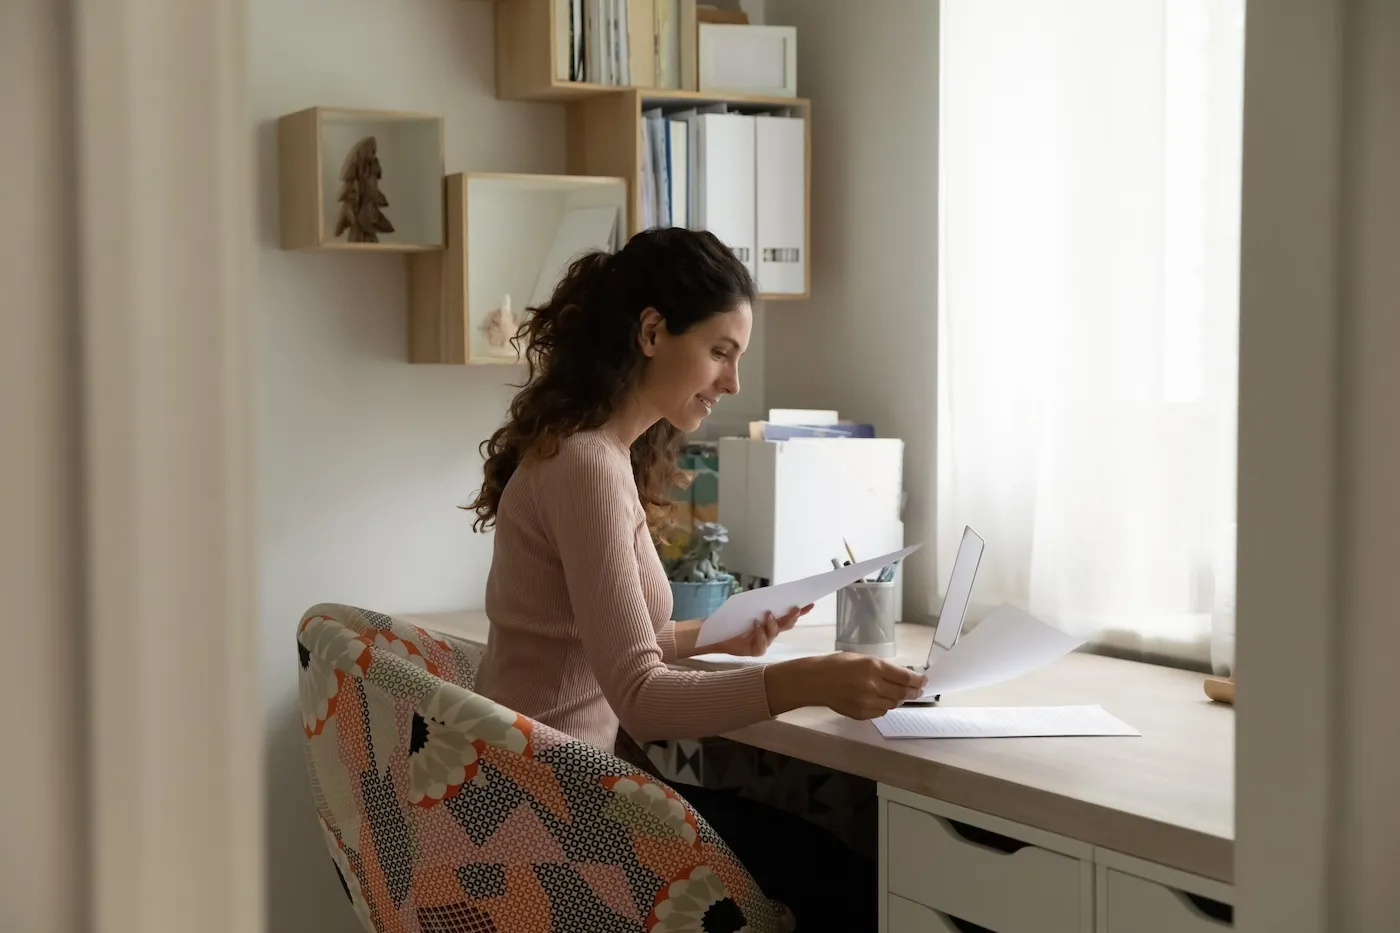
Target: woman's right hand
{"points": [[863, 687], [854, 685]]}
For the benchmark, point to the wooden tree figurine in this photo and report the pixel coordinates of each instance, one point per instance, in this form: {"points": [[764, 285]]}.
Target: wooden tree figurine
{"points": [[360, 198]]}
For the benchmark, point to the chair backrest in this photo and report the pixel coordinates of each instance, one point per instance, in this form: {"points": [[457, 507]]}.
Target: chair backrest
{"points": [[445, 812]]}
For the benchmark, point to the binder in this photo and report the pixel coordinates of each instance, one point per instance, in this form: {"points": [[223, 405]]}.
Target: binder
{"points": [[655, 125], [641, 42], [780, 154], [725, 171], [564, 40], [678, 152]]}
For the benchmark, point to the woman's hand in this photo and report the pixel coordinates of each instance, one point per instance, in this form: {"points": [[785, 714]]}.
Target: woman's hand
{"points": [[754, 643], [863, 687], [854, 685]]}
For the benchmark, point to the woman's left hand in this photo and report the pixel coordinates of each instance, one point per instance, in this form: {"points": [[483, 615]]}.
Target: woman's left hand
{"points": [[754, 643]]}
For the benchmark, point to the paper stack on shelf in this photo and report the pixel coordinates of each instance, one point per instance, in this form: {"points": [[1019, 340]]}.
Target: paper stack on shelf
{"points": [[785, 424]]}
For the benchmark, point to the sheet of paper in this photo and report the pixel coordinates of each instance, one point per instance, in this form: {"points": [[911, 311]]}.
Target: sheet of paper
{"points": [[995, 722], [582, 229], [776, 652], [736, 614], [1009, 642]]}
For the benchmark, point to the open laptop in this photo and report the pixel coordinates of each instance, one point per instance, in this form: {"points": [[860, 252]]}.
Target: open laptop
{"points": [[958, 594]]}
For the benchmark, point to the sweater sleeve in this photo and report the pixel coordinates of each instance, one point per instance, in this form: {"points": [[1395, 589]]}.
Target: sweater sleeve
{"points": [[666, 639], [588, 500]]}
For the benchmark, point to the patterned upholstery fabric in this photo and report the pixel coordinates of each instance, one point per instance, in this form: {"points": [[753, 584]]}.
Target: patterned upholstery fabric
{"points": [[447, 813]]}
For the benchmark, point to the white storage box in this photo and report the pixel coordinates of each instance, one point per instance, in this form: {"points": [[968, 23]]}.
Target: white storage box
{"points": [[736, 59], [788, 506]]}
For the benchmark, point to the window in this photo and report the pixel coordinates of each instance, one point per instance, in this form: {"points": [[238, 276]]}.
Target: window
{"points": [[1089, 188]]}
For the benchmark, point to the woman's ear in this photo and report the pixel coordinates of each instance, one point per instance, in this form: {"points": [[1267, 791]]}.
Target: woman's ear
{"points": [[652, 324]]}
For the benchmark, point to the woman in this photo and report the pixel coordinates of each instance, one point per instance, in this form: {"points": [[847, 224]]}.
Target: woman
{"points": [[631, 351]]}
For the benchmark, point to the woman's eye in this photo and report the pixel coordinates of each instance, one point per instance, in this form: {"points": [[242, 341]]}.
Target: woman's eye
{"points": [[721, 355]]}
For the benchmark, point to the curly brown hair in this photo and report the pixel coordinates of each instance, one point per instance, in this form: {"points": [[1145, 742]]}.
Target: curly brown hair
{"points": [[582, 354]]}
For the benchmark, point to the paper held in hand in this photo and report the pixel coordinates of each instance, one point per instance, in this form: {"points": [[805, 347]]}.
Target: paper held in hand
{"points": [[1009, 642], [738, 612]]}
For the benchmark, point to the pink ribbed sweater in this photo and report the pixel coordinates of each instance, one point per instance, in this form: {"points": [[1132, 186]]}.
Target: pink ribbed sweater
{"points": [[579, 603]]}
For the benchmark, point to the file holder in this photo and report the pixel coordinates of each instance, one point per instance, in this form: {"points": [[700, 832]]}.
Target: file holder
{"points": [[865, 618]]}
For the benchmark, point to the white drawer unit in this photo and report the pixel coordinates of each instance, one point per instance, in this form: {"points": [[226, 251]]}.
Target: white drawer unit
{"points": [[978, 872], [1133, 896]]}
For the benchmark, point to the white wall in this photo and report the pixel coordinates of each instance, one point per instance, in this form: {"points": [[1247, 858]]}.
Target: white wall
{"points": [[363, 459], [865, 343]]}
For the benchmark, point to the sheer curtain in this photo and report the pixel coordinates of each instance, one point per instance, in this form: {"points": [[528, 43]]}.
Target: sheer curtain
{"points": [[1089, 181]]}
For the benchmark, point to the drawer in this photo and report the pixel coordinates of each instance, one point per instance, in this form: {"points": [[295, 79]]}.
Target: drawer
{"points": [[984, 877], [1129, 904], [907, 917]]}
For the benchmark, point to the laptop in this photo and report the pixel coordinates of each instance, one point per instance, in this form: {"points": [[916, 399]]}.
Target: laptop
{"points": [[958, 594]]}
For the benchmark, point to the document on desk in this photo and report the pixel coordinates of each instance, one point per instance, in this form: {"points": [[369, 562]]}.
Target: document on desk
{"points": [[737, 613], [1007, 643], [777, 651], [996, 722]]}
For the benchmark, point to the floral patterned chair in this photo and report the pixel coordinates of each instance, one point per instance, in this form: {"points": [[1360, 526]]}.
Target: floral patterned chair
{"points": [[445, 812]]}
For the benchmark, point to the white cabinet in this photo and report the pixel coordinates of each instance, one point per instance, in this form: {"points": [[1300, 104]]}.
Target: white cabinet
{"points": [[1133, 896], [981, 870], [947, 869]]}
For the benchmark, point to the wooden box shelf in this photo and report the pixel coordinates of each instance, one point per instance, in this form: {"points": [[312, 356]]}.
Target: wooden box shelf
{"points": [[312, 147], [500, 230]]}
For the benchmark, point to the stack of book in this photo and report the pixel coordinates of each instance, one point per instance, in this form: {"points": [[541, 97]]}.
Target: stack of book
{"points": [[638, 43]]}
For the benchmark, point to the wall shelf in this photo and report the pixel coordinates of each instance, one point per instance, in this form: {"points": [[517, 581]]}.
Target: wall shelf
{"points": [[607, 136], [500, 229], [312, 147]]}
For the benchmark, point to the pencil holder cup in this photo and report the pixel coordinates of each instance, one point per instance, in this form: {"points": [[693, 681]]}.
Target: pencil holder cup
{"points": [[865, 618]]}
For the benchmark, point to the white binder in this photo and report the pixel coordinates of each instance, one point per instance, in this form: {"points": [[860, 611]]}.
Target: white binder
{"points": [[678, 148], [726, 180], [780, 148]]}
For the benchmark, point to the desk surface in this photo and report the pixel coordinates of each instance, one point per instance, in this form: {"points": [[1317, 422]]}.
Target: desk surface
{"points": [[1167, 797]]}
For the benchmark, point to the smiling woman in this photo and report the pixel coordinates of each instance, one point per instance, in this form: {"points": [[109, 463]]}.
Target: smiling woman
{"points": [[631, 351], [648, 338]]}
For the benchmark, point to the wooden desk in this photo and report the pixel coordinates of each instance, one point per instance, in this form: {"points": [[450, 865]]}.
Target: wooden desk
{"points": [[1166, 798]]}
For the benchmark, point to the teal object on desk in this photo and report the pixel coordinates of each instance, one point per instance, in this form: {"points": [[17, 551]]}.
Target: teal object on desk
{"points": [[699, 600]]}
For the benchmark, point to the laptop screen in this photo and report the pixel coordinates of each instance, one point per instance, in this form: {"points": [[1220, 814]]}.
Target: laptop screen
{"points": [[950, 620]]}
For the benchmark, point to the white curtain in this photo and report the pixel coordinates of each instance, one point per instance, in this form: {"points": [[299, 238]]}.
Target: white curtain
{"points": [[1088, 312]]}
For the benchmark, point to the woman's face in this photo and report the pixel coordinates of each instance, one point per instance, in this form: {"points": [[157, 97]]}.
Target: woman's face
{"points": [[689, 372]]}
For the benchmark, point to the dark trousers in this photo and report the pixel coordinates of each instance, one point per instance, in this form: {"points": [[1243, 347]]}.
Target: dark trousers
{"points": [[826, 884]]}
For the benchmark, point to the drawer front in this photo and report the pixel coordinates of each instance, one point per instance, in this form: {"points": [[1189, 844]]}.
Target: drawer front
{"points": [[983, 878], [908, 917], [1129, 904]]}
